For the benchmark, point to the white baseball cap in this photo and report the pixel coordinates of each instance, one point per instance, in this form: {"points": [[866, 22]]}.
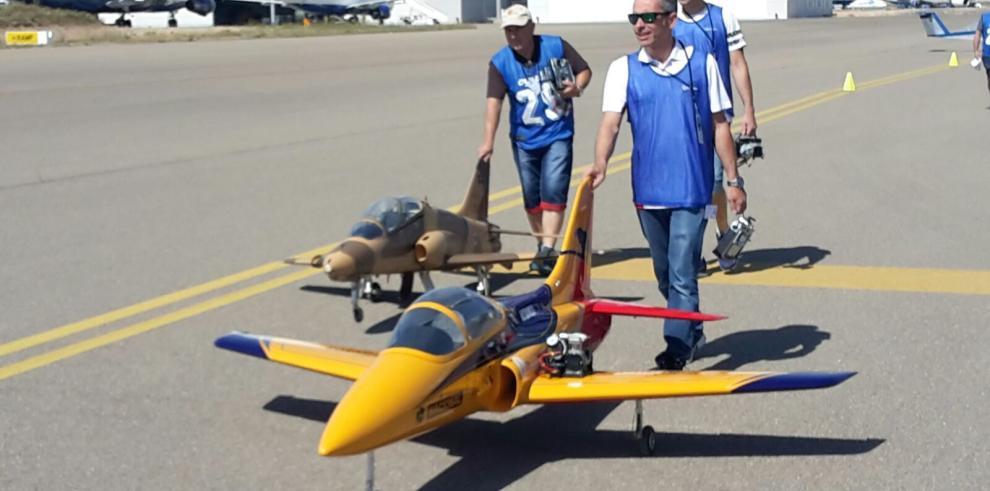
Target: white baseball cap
{"points": [[516, 15]]}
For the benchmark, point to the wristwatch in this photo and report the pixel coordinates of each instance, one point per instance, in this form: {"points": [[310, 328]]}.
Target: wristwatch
{"points": [[738, 182]]}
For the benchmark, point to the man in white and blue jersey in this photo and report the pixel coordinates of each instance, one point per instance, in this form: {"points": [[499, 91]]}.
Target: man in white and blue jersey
{"points": [[981, 43], [701, 23], [541, 121], [676, 108]]}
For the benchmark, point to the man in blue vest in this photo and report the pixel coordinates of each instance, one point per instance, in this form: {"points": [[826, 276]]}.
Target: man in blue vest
{"points": [[982, 38], [676, 108], [541, 121], [704, 24]]}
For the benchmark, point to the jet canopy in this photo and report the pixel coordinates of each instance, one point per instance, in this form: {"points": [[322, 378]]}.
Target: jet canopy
{"points": [[444, 320], [386, 216]]}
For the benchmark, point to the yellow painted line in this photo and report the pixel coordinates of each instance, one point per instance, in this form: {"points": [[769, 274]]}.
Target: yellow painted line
{"points": [[574, 182], [580, 170], [148, 305], [92, 322], [126, 332], [148, 325], [916, 280]]}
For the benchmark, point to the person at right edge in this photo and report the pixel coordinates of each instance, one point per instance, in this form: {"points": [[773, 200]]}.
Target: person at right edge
{"points": [[675, 103], [982, 37], [702, 23]]}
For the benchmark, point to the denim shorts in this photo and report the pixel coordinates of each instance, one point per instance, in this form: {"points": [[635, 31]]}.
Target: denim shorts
{"points": [[545, 175], [986, 64]]}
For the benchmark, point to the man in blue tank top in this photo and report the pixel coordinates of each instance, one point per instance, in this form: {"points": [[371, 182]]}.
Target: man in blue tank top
{"points": [[704, 24], [676, 109], [541, 121], [981, 43]]}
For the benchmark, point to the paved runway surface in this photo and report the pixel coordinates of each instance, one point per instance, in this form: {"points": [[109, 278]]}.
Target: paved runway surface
{"points": [[131, 173]]}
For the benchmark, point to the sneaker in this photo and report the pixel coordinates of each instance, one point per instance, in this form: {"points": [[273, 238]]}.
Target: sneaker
{"points": [[703, 271], [698, 344], [667, 361], [727, 265], [544, 267]]}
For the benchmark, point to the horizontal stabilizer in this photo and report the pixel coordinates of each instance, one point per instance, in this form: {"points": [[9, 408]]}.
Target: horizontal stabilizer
{"points": [[612, 307], [343, 363], [618, 386]]}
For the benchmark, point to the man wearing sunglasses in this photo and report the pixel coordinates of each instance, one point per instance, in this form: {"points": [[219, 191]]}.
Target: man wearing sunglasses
{"points": [[701, 23], [541, 121], [675, 102]]}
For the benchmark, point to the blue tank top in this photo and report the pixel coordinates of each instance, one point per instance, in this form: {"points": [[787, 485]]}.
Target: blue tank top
{"points": [[985, 27], [673, 139], [538, 114], [711, 34]]}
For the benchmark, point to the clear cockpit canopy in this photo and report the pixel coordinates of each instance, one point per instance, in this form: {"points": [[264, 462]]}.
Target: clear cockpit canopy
{"points": [[434, 330], [386, 215]]}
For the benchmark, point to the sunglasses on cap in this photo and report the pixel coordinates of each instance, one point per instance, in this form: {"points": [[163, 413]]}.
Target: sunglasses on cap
{"points": [[648, 17]]}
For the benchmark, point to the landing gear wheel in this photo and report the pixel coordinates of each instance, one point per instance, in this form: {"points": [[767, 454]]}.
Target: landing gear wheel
{"points": [[173, 23], [375, 293], [358, 314], [353, 19], [405, 291], [647, 441]]}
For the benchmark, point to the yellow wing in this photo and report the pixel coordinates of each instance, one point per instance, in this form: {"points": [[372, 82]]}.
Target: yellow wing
{"points": [[343, 363], [607, 386]]}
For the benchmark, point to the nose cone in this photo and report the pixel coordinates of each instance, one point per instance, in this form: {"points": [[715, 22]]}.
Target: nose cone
{"points": [[340, 266], [384, 405]]}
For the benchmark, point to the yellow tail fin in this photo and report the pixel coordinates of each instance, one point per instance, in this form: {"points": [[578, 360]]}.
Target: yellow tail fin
{"points": [[571, 278]]}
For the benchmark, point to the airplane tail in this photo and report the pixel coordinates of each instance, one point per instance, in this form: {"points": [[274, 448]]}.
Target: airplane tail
{"points": [[934, 27], [571, 277], [475, 204]]}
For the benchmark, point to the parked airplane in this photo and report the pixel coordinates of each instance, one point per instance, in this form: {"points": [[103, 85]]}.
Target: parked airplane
{"points": [[454, 352], [201, 7], [403, 235], [350, 10], [920, 4], [935, 28]]}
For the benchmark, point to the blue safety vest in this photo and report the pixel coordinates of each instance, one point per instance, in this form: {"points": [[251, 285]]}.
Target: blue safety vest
{"points": [[710, 32], [673, 141], [538, 114], [985, 27]]}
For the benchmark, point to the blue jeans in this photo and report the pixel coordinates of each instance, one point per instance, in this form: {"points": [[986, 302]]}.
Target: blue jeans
{"points": [[675, 236], [719, 174], [545, 175]]}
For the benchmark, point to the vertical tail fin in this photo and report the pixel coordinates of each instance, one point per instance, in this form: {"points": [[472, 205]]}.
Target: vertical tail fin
{"points": [[934, 27], [475, 204], [571, 278]]}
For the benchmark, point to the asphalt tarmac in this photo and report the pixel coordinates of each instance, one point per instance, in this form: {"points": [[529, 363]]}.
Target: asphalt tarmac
{"points": [[131, 173]]}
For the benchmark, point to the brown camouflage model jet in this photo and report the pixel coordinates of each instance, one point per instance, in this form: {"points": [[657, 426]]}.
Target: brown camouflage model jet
{"points": [[403, 235]]}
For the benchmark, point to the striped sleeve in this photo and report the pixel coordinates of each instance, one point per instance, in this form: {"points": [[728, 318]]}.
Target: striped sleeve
{"points": [[733, 31]]}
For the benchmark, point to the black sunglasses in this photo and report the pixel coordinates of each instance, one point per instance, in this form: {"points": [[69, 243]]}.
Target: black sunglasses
{"points": [[648, 17]]}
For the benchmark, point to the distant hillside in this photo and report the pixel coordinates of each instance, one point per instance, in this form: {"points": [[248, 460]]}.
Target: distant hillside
{"points": [[20, 15]]}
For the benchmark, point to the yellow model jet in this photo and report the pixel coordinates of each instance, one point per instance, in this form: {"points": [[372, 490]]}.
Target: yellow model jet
{"points": [[403, 235], [455, 352]]}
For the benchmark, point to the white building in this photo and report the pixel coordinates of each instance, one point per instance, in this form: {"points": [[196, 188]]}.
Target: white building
{"points": [[567, 11]]}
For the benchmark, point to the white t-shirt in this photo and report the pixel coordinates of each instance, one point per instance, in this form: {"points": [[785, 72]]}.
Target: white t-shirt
{"points": [[617, 78], [733, 31]]}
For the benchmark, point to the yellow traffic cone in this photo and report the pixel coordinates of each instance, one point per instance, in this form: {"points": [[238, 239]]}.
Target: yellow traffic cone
{"points": [[849, 85], [953, 60]]}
